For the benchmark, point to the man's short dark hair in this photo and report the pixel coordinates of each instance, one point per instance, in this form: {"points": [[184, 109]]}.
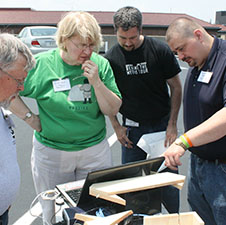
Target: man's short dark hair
{"points": [[127, 17]]}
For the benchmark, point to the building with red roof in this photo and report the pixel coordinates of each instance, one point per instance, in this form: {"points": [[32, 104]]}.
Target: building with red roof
{"points": [[12, 20]]}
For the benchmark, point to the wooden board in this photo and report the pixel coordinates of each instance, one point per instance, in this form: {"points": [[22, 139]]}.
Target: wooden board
{"points": [[109, 190], [138, 183], [190, 218], [108, 220], [171, 219]]}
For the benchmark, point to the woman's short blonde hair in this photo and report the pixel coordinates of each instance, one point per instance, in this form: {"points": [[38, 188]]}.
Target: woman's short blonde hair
{"points": [[81, 24]]}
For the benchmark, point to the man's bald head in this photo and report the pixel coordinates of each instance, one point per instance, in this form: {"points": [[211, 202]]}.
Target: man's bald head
{"points": [[182, 27]]}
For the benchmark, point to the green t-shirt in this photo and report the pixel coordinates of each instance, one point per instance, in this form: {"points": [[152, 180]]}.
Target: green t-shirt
{"points": [[71, 119]]}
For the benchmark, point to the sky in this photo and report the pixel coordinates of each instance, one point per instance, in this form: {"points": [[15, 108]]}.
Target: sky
{"points": [[196, 8]]}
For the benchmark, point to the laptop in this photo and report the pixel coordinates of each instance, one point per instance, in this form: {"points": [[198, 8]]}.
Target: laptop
{"points": [[76, 193]]}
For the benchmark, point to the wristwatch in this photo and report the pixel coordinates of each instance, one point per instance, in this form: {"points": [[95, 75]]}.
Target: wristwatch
{"points": [[180, 143], [28, 115]]}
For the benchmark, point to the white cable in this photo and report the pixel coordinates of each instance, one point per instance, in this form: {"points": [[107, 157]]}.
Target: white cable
{"points": [[46, 195]]}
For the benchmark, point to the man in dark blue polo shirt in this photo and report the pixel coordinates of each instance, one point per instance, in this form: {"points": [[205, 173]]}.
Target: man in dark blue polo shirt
{"points": [[204, 118]]}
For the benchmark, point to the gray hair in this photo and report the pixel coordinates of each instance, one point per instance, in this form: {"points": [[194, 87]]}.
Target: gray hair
{"points": [[127, 17], [10, 48]]}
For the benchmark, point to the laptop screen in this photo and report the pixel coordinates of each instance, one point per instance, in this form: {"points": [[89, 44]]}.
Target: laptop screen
{"points": [[133, 169], [135, 201]]}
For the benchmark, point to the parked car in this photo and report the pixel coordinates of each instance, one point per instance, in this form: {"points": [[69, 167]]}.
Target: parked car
{"points": [[39, 38]]}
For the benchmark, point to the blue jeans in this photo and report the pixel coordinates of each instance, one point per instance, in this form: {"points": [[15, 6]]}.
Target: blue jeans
{"points": [[4, 218], [207, 190], [170, 194]]}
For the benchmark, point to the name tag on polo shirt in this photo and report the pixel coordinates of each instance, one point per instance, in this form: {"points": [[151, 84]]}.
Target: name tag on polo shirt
{"points": [[61, 85], [131, 123], [205, 77]]}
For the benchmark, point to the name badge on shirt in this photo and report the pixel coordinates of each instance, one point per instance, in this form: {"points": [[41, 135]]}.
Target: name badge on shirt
{"points": [[205, 77], [131, 123], [61, 85]]}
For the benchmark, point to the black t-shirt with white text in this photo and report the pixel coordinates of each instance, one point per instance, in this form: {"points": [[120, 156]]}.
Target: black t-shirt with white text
{"points": [[141, 77]]}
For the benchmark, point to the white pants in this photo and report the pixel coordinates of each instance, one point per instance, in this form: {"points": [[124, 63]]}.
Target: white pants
{"points": [[52, 166]]}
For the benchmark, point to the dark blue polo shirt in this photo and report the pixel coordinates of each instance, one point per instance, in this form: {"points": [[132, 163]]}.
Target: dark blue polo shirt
{"points": [[202, 100]]}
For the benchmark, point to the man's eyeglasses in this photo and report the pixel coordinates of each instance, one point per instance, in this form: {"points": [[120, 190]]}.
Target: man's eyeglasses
{"points": [[19, 83], [83, 46]]}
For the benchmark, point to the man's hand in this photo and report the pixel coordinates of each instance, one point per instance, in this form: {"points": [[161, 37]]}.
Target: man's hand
{"points": [[172, 156], [122, 135], [171, 134]]}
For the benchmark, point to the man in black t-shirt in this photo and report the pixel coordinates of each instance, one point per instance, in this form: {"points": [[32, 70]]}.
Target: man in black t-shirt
{"points": [[144, 67]]}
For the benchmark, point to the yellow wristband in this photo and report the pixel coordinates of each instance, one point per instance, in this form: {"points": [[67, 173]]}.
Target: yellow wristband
{"points": [[182, 138]]}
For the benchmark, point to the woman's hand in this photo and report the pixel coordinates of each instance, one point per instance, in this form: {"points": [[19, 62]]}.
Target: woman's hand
{"points": [[91, 72]]}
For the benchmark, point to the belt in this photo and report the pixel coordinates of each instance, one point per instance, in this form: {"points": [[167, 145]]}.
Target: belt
{"points": [[218, 161], [223, 161]]}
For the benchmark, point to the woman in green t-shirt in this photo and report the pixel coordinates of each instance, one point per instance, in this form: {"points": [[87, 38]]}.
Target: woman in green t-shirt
{"points": [[74, 88]]}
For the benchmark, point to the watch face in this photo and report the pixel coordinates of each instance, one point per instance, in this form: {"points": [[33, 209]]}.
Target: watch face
{"points": [[178, 141], [28, 115]]}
